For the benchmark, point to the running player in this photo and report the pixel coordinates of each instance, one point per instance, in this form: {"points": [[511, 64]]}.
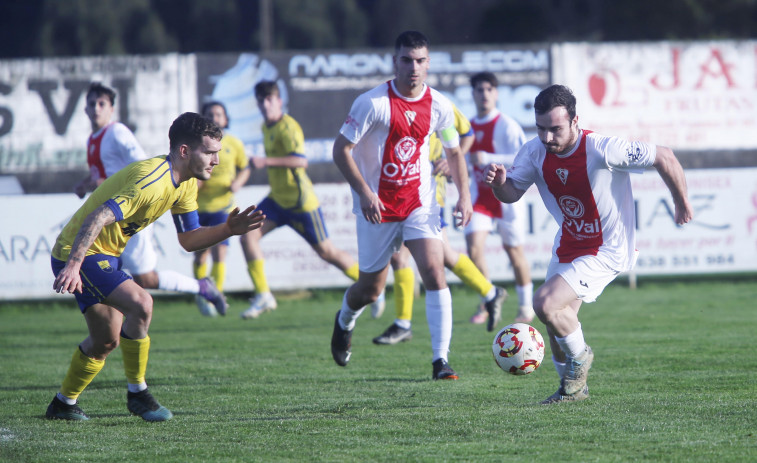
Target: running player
{"points": [[291, 201], [383, 152], [215, 197], [460, 264], [584, 181], [498, 139]]}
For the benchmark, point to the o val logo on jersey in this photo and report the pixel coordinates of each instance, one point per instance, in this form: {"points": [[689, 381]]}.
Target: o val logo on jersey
{"points": [[405, 148], [571, 207]]}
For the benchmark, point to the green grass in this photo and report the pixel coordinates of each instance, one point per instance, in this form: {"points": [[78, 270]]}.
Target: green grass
{"points": [[674, 379]]}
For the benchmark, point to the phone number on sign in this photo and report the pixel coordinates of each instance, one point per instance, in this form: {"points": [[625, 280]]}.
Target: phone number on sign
{"points": [[685, 260]]}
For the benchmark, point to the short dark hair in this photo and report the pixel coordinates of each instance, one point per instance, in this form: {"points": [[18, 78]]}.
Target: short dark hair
{"points": [[411, 40], [189, 128], [266, 88], [101, 90], [485, 76], [554, 96], [206, 107]]}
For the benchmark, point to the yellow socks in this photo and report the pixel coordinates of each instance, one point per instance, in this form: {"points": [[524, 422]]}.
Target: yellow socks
{"points": [[404, 286], [81, 372], [200, 270], [467, 271], [256, 268], [353, 272], [219, 274], [135, 353]]}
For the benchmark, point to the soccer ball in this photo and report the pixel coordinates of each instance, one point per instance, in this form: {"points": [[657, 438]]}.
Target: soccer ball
{"points": [[518, 349]]}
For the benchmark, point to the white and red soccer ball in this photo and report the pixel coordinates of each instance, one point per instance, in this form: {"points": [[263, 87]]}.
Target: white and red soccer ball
{"points": [[518, 349]]}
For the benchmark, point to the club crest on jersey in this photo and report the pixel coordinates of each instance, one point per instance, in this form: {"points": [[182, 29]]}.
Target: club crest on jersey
{"points": [[105, 266], [410, 116], [571, 207], [350, 121], [562, 174], [633, 153], [405, 148]]}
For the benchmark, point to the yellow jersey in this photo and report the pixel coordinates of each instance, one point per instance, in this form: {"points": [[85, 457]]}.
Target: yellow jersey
{"points": [[290, 188], [462, 124], [214, 195], [138, 195]]}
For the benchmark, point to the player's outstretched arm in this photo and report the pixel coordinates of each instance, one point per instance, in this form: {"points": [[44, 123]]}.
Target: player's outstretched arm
{"points": [[670, 170], [69, 280], [238, 223], [495, 176], [242, 222]]}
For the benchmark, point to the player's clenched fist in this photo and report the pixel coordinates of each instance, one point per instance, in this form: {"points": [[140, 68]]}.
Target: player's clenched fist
{"points": [[495, 175]]}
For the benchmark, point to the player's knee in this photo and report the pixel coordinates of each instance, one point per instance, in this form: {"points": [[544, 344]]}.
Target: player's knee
{"points": [[546, 307], [101, 348], [433, 278], [325, 253], [141, 306], [149, 280]]}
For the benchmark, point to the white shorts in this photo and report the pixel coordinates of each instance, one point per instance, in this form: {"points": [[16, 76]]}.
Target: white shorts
{"points": [[511, 227], [139, 256], [588, 276], [377, 242]]}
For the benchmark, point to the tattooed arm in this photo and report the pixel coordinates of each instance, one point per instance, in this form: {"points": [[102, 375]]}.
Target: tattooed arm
{"points": [[69, 280]]}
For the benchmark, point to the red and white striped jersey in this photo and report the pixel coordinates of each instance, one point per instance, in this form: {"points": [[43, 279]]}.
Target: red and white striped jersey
{"points": [[500, 137], [391, 136], [112, 148], [588, 192]]}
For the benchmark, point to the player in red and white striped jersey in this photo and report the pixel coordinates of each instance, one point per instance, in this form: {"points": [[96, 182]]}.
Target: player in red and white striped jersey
{"points": [[383, 152], [584, 181], [498, 138]]}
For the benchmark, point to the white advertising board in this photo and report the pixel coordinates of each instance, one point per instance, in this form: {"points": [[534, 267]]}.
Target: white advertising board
{"points": [[686, 95], [43, 126], [722, 237]]}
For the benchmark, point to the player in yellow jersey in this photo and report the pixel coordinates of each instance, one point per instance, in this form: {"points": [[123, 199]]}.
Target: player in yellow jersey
{"points": [[215, 198], [86, 258], [460, 264], [291, 201], [110, 148]]}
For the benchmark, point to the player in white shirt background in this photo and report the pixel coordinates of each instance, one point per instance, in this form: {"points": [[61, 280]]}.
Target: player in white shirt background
{"points": [[382, 151], [498, 137], [110, 148], [583, 179]]}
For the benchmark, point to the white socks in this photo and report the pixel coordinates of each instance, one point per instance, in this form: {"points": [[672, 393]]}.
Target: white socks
{"points": [[559, 366], [525, 295], [136, 387], [573, 344], [439, 318], [169, 280], [404, 324], [65, 399], [490, 295], [347, 316]]}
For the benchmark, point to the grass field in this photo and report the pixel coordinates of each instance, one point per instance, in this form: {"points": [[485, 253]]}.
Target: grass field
{"points": [[674, 379]]}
